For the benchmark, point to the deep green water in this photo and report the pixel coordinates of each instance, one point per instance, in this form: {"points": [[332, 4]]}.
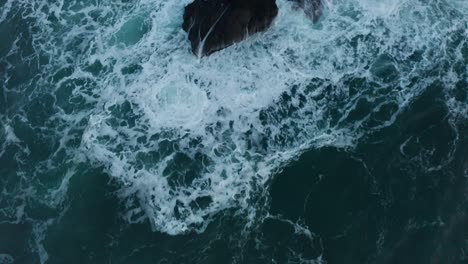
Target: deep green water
{"points": [[344, 141]]}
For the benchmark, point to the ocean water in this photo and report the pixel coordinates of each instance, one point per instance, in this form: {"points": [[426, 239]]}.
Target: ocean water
{"points": [[344, 141]]}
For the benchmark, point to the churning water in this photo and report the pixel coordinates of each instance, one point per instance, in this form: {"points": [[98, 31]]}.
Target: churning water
{"points": [[117, 144]]}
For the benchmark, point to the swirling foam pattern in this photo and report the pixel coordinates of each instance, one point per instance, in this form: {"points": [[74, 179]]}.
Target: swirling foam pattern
{"points": [[114, 84]]}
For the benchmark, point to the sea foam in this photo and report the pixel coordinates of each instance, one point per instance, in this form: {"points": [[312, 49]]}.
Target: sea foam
{"points": [[188, 138]]}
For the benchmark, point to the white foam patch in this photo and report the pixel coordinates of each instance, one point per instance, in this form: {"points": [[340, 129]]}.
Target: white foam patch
{"points": [[188, 138], [5, 10], [6, 259], [380, 7], [174, 103], [8, 137]]}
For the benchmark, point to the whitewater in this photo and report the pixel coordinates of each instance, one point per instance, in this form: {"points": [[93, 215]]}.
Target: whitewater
{"points": [[114, 85]]}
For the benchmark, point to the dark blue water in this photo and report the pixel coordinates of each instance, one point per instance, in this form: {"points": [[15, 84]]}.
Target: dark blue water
{"points": [[344, 141]]}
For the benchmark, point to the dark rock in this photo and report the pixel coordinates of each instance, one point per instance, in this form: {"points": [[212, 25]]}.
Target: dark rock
{"points": [[213, 25], [312, 8]]}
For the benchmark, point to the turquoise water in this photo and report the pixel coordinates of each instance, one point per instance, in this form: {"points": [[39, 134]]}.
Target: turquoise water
{"points": [[344, 141]]}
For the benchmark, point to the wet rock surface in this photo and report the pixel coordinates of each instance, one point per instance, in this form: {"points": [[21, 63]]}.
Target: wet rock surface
{"points": [[213, 25]]}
